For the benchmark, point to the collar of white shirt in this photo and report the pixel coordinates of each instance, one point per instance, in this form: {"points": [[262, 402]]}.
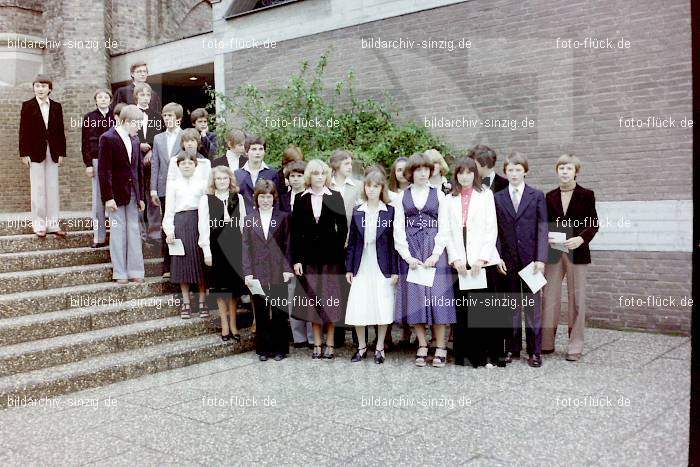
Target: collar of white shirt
{"points": [[263, 165], [348, 181], [325, 191], [363, 207], [512, 188], [173, 131], [46, 101]]}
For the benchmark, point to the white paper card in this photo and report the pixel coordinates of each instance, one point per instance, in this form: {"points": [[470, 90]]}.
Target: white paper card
{"points": [[533, 280], [559, 238], [469, 282], [256, 287], [176, 248], [422, 276]]}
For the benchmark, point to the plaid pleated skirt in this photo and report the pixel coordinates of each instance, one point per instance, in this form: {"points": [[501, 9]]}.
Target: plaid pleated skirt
{"points": [[188, 268]]}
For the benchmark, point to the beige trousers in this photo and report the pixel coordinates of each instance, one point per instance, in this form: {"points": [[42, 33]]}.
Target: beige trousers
{"points": [[576, 285]]}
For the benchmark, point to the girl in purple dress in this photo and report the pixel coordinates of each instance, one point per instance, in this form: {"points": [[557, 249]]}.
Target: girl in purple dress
{"points": [[421, 231]]}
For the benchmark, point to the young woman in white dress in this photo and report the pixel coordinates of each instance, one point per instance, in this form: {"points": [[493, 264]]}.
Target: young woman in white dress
{"points": [[371, 264]]}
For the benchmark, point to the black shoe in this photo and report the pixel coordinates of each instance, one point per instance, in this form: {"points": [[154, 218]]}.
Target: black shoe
{"points": [[510, 356], [316, 355], [300, 345], [501, 362], [359, 356], [459, 361], [535, 361], [329, 355], [378, 357], [235, 337], [226, 337], [262, 358], [98, 245], [279, 357]]}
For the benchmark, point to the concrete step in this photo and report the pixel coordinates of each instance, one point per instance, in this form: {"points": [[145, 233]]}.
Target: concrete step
{"points": [[76, 320], [114, 367], [41, 279], [20, 223], [30, 242], [42, 301], [46, 259], [29, 356]]}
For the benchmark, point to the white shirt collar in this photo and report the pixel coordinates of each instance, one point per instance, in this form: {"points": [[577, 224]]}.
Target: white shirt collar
{"points": [[42, 102], [263, 165], [104, 114], [173, 131], [363, 207], [326, 191], [122, 132], [348, 181], [520, 187]]}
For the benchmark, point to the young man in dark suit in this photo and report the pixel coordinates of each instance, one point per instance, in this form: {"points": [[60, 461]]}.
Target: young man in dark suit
{"points": [[120, 169], [151, 125], [96, 123], [42, 147], [522, 239], [125, 94], [235, 153], [200, 121], [485, 159], [571, 210], [253, 170]]}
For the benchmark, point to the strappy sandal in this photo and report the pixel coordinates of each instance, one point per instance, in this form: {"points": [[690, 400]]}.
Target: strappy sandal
{"points": [[359, 356], [439, 360], [420, 359], [203, 310], [329, 355], [316, 355], [185, 311], [379, 356]]}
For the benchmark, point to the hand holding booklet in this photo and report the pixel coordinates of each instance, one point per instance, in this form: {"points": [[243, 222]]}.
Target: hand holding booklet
{"points": [[558, 239], [472, 282], [422, 276], [534, 280], [176, 248], [256, 288]]}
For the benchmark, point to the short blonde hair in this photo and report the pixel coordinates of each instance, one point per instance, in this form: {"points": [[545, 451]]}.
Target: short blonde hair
{"points": [[173, 107], [516, 158], [142, 87], [317, 165], [130, 112], [436, 157], [568, 159], [190, 134], [222, 169]]}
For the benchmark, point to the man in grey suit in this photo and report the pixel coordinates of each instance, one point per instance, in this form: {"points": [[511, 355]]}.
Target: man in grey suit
{"points": [[165, 146]]}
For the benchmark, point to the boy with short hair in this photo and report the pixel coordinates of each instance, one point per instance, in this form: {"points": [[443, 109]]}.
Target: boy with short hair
{"points": [[522, 238], [341, 164], [200, 121], [120, 170], [485, 159], [96, 123], [42, 147], [125, 94], [235, 154], [253, 170], [166, 145]]}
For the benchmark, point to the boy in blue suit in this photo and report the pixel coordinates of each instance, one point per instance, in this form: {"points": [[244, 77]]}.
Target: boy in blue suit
{"points": [[254, 169], [522, 238]]}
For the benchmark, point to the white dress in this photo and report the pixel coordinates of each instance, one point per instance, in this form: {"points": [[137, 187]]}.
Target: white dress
{"points": [[371, 298]]}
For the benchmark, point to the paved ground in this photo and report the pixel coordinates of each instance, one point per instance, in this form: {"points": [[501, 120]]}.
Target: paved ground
{"points": [[625, 403]]}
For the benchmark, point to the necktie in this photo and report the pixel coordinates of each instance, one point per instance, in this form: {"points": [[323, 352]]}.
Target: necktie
{"points": [[516, 198], [487, 181]]}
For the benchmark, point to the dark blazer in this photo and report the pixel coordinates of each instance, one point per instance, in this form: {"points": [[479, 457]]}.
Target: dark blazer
{"points": [[94, 125], [245, 184], [321, 242], [499, 183], [581, 219], [522, 236], [34, 136], [208, 146], [155, 125], [125, 94], [266, 259], [117, 176], [224, 161], [386, 254]]}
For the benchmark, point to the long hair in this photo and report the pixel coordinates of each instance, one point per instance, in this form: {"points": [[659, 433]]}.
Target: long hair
{"points": [[463, 165]]}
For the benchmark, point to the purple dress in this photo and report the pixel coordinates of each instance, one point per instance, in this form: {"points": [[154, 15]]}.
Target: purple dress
{"points": [[418, 304]]}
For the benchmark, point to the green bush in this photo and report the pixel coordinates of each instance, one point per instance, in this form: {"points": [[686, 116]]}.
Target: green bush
{"points": [[369, 128]]}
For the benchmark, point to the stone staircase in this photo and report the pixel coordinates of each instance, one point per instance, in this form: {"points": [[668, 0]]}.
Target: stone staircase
{"points": [[65, 326]]}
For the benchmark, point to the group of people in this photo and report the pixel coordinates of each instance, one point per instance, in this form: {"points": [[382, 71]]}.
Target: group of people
{"points": [[319, 251]]}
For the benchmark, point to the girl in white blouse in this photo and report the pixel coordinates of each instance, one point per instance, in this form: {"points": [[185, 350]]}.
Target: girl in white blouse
{"points": [[180, 221]]}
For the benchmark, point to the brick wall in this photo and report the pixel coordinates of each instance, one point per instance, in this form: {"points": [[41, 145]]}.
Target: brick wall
{"points": [[575, 97], [21, 17]]}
